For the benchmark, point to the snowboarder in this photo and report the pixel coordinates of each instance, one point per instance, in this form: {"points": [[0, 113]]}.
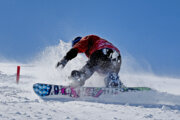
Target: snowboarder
{"points": [[103, 58]]}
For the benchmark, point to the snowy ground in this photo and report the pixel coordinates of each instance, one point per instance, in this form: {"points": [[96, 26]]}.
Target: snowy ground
{"points": [[18, 101]]}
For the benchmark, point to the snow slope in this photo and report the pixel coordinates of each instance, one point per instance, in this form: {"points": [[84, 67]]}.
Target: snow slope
{"points": [[18, 101]]}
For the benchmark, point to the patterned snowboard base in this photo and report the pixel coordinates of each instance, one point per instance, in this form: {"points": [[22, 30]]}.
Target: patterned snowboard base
{"points": [[48, 90]]}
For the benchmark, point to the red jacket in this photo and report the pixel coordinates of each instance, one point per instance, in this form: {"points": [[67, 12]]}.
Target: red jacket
{"points": [[92, 43]]}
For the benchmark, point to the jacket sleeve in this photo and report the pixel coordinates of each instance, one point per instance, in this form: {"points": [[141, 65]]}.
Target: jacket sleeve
{"points": [[71, 54]]}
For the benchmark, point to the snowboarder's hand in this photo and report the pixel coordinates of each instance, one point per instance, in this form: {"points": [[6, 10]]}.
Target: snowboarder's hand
{"points": [[62, 63]]}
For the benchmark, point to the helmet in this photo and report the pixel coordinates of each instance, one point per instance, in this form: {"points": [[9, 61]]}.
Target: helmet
{"points": [[76, 40]]}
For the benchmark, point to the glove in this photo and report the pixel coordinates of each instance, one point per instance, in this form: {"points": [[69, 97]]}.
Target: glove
{"points": [[62, 63]]}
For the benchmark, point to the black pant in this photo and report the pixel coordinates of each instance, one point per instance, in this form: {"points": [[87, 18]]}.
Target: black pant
{"points": [[103, 61]]}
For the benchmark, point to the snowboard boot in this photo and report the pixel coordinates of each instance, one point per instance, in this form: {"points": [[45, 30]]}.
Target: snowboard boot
{"points": [[77, 79], [113, 81]]}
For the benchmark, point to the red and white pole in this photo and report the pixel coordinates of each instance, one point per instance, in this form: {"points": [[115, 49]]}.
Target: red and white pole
{"points": [[18, 74]]}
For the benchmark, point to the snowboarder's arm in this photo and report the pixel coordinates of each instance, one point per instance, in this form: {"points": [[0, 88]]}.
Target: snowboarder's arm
{"points": [[70, 55]]}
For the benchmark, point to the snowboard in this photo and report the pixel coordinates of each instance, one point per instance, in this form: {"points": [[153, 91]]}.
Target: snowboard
{"points": [[60, 91]]}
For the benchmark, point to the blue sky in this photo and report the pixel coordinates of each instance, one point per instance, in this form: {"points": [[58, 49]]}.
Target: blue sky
{"points": [[147, 29]]}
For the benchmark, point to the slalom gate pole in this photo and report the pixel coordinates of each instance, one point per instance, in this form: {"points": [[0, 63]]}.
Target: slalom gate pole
{"points": [[18, 74]]}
